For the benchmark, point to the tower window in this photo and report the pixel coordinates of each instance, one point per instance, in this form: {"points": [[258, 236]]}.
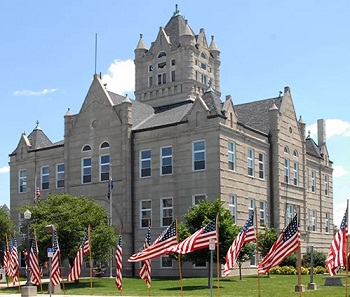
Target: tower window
{"points": [[164, 78], [203, 66], [161, 65], [203, 56], [161, 54], [150, 68], [173, 62], [173, 75], [150, 81]]}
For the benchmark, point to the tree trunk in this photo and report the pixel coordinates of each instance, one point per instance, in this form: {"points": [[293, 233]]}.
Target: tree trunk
{"points": [[240, 271]]}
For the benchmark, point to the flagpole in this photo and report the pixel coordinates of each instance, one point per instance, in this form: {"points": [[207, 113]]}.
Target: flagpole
{"points": [[35, 195], [179, 260], [347, 251], [8, 259], [121, 291], [110, 215], [218, 252], [60, 268], [257, 247], [37, 250], [90, 260]]}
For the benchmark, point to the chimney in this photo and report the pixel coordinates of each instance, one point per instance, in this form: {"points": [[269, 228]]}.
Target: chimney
{"points": [[321, 136]]}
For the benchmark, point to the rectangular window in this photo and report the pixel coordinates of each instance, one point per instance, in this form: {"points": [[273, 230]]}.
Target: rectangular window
{"points": [[86, 170], [313, 181], [314, 221], [251, 206], [286, 171], [166, 262], [197, 198], [203, 66], [45, 175], [164, 78], [291, 211], [307, 179], [150, 81], [327, 223], [22, 180], [173, 75], [261, 166], [250, 162], [231, 155], [253, 260], [204, 79], [262, 212], [232, 206], [145, 163], [196, 75], [145, 213], [150, 68], [173, 62], [166, 160], [104, 167], [166, 211], [198, 155], [200, 265], [59, 176], [296, 173], [326, 184], [159, 79]]}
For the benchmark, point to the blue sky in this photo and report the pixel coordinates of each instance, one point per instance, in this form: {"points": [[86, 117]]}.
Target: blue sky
{"points": [[47, 59]]}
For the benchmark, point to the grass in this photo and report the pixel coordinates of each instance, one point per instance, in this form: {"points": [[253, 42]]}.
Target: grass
{"points": [[276, 285]]}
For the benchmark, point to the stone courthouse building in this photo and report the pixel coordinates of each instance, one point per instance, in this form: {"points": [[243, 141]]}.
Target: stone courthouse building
{"points": [[178, 142]]}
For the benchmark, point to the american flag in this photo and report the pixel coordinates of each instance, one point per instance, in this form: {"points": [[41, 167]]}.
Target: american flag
{"points": [[14, 261], [37, 192], [159, 246], [247, 234], [78, 261], [7, 260], [119, 264], [55, 261], [36, 271], [110, 187], [287, 243], [336, 257], [198, 240], [145, 271]]}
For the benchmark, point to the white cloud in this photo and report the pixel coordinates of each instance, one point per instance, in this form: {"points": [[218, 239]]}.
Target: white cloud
{"points": [[121, 77], [338, 211], [334, 127], [5, 169], [34, 93], [339, 171]]}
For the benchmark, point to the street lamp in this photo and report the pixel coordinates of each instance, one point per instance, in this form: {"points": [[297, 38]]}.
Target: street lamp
{"points": [[27, 217]]}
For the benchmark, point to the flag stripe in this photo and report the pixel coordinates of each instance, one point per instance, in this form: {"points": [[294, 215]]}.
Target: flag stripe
{"points": [[119, 264], [55, 261]]}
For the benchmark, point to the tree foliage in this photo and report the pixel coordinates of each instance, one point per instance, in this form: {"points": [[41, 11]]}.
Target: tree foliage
{"points": [[247, 252], [319, 259], [266, 240], [6, 227], [200, 215], [71, 216], [291, 260]]}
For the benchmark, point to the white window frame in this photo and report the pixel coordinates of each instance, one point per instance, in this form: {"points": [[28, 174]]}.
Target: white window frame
{"points": [[231, 155], [144, 210], [232, 206], [313, 181], [166, 259], [253, 261], [250, 162], [165, 157], [296, 174], [314, 221], [164, 215], [60, 176], [307, 179], [144, 161], [45, 177], [84, 168], [327, 222], [262, 162], [22, 181], [291, 210], [198, 197], [263, 212], [104, 167], [251, 206], [326, 184], [198, 152], [286, 170]]}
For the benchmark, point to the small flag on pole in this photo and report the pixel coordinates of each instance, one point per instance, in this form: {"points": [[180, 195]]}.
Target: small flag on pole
{"points": [[55, 261], [145, 271], [119, 264]]}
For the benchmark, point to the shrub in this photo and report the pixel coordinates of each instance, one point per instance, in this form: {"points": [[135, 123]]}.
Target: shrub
{"points": [[291, 260], [305, 270], [319, 259], [275, 270], [319, 270], [288, 270]]}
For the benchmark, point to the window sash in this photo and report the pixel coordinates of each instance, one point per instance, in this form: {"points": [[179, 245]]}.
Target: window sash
{"points": [[145, 163], [261, 166], [286, 171], [198, 150], [250, 162], [296, 173], [167, 211], [145, 213], [59, 176], [232, 205], [166, 160], [45, 176], [22, 181], [231, 150], [86, 170], [104, 167]]}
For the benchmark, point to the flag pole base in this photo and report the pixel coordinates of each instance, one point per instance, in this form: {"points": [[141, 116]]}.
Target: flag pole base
{"points": [[312, 286], [299, 288], [28, 291]]}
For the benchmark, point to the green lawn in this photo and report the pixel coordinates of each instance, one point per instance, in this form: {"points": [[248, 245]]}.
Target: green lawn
{"points": [[276, 285]]}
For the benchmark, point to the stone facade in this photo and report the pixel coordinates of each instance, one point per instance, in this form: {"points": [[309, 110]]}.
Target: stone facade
{"points": [[178, 143]]}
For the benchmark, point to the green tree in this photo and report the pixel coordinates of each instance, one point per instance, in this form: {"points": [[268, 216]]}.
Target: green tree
{"points": [[200, 215], [266, 239], [247, 252], [71, 217], [6, 227], [291, 260], [319, 259]]}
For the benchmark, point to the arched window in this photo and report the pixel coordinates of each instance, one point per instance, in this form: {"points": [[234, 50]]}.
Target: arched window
{"points": [[203, 55], [86, 148], [104, 144], [296, 154], [161, 54], [286, 149]]}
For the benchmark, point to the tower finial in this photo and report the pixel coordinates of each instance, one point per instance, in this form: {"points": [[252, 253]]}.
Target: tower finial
{"points": [[177, 11]]}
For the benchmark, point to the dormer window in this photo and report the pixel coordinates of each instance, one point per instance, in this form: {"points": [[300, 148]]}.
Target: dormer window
{"points": [[296, 154], [286, 149], [104, 144], [86, 148], [203, 56], [161, 54]]}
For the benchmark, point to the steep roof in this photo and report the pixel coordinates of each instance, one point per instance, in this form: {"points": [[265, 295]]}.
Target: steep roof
{"points": [[38, 138], [213, 101], [256, 114], [312, 148]]}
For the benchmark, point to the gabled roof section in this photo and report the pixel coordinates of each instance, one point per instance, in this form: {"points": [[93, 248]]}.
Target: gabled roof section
{"points": [[213, 101], [256, 114], [312, 148], [38, 139]]}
